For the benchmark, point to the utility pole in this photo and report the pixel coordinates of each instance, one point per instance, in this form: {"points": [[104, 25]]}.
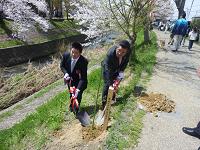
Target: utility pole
{"points": [[190, 8]]}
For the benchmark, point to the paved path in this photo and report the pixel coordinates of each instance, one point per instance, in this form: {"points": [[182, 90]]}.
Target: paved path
{"points": [[175, 76]]}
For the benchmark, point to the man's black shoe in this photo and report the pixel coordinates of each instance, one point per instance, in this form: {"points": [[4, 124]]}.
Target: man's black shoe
{"points": [[190, 131], [175, 50]]}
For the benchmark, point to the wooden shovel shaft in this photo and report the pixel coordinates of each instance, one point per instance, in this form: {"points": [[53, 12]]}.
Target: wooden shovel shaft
{"points": [[108, 106]]}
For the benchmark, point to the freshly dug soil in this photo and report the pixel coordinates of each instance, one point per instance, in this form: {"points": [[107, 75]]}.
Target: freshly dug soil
{"points": [[90, 133], [157, 102]]}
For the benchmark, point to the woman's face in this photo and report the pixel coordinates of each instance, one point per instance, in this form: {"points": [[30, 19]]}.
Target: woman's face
{"points": [[75, 53], [121, 52]]}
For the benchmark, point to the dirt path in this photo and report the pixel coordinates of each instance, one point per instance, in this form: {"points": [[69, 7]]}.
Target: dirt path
{"points": [[175, 75]]}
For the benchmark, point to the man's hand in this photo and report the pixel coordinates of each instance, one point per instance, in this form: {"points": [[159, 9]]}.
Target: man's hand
{"points": [[120, 76], [66, 77], [76, 93]]}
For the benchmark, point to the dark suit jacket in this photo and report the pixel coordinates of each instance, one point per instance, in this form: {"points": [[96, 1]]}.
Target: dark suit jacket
{"points": [[110, 64], [79, 74]]}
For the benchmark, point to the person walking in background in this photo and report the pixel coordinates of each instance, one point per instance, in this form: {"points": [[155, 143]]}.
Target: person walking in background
{"points": [[74, 66], [166, 26], [114, 65], [192, 37], [179, 31], [171, 41]]}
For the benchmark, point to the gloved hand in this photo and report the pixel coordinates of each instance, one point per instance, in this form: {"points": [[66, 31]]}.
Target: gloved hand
{"points": [[66, 77], [120, 76], [76, 93]]}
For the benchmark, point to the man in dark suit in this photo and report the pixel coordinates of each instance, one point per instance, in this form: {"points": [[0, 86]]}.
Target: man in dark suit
{"points": [[74, 67], [114, 65], [192, 131]]}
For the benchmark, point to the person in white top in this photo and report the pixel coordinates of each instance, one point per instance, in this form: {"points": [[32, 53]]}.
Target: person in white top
{"points": [[192, 37]]}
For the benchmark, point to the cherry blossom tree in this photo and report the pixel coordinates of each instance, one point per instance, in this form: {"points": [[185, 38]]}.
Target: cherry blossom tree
{"points": [[125, 16], [162, 9], [102, 15], [92, 16], [25, 15], [157, 9]]}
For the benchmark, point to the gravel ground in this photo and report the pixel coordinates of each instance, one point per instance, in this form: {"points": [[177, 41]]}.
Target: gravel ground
{"points": [[175, 75]]}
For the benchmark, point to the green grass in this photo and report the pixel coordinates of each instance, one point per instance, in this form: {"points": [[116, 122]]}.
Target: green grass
{"points": [[34, 131], [10, 43], [64, 24], [62, 29], [3, 24], [47, 119]]}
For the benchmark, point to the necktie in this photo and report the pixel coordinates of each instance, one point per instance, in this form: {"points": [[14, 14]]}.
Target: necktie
{"points": [[72, 65], [120, 60]]}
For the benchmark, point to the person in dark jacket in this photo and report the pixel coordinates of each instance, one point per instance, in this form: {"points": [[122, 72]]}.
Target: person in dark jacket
{"points": [[192, 131], [74, 66], [114, 65]]}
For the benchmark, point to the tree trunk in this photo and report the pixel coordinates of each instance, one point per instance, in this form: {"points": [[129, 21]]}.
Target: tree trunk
{"points": [[146, 35], [132, 47], [49, 2], [61, 9], [180, 6]]}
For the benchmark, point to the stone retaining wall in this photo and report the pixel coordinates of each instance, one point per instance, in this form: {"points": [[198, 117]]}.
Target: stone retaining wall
{"points": [[19, 54]]}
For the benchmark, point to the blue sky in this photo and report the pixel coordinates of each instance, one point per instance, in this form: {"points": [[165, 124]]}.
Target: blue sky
{"points": [[195, 11]]}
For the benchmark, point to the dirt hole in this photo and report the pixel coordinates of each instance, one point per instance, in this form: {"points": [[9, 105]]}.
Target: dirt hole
{"points": [[90, 133]]}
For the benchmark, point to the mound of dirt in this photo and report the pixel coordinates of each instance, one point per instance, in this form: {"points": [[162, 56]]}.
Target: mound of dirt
{"points": [[154, 102]]}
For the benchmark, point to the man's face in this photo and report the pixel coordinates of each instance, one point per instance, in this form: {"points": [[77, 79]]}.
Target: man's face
{"points": [[121, 52], [75, 53]]}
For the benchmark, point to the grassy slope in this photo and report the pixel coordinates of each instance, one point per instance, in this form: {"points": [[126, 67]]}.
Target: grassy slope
{"points": [[9, 43], [34, 130], [14, 84], [62, 29]]}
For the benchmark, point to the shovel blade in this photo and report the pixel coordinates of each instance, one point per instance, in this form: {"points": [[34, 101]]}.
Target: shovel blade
{"points": [[100, 118], [84, 118]]}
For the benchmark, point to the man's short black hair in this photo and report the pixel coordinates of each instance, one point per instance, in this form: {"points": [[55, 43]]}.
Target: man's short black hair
{"points": [[77, 46], [124, 44]]}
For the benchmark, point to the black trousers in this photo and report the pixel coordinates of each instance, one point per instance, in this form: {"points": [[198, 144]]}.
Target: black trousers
{"points": [[107, 82], [190, 44]]}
